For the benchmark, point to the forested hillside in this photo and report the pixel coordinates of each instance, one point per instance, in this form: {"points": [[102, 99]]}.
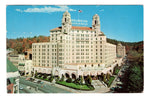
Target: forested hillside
{"points": [[21, 44]]}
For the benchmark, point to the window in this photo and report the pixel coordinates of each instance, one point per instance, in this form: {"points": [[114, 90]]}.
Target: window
{"points": [[95, 21], [64, 31], [65, 20]]}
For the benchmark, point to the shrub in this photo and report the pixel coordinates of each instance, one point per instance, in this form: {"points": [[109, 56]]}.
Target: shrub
{"points": [[69, 80], [76, 81], [51, 78], [57, 78], [62, 78], [45, 76], [88, 80], [81, 80]]}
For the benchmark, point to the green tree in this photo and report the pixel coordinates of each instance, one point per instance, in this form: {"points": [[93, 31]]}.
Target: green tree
{"points": [[62, 78], [81, 80], [132, 80], [88, 80], [108, 76]]}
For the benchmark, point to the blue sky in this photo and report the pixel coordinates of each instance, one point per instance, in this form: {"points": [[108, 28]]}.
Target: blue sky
{"points": [[120, 22]]}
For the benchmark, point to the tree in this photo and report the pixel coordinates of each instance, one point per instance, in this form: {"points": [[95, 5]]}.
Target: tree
{"points": [[108, 76], [132, 80], [69, 80], [51, 78], [81, 80], [62, 78], [88, 80]]}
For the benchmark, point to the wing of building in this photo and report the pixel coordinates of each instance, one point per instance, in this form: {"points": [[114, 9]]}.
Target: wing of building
{"points": [[74, 49]]}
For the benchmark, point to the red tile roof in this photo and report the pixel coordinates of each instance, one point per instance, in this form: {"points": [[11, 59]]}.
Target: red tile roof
{"points": [[74, 28], [58, 28], [81, 28]]}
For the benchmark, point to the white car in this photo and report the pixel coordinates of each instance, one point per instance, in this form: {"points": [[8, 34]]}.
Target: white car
{"points": [[21, 88], [35, 81], [28, 87]]}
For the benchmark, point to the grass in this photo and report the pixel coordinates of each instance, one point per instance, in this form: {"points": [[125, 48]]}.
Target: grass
{"points": [[109, 82], [116, 71], [75, 86]]}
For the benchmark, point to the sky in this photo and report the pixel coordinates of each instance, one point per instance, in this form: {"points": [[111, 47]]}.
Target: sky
{"points": [[120, 22]]}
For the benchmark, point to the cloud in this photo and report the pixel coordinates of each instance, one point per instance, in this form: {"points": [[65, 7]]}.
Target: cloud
{"points": [[101, 10], [19, 10], [72, 10], [46, 9]]}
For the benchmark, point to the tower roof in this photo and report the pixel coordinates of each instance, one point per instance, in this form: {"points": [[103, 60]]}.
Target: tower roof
{"points": [[66, 13]]}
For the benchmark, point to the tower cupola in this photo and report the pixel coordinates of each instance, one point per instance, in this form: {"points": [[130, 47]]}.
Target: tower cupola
{"points": [[66, 22]]}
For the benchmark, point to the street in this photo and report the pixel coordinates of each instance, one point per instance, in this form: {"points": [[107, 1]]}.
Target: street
{"points": [[42, 88]]}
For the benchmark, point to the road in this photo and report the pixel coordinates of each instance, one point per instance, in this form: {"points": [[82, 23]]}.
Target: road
{"points": [[42, 88], [123, 68]]}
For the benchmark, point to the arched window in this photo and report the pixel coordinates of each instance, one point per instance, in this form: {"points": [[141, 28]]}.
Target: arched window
{"points": [[65, 20], [85, 65], [95, 22]]}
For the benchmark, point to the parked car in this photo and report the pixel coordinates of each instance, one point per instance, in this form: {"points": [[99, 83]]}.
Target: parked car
{"points": [[32, 79], [118, 79], [21, 88], [28, 87], [35, 81], [112, 89], [39, 81]]}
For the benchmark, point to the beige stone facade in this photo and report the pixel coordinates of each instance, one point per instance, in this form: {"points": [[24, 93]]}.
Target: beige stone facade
{"points": [[74, 47], [41, 55], [121, 52]]}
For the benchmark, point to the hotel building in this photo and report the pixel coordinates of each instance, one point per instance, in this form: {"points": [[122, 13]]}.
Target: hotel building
{"points": [[75, 50]]}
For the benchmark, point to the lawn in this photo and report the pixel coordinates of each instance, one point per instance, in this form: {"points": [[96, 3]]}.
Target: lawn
{"points": [[116, 71], [75, 86], [109, 82]]}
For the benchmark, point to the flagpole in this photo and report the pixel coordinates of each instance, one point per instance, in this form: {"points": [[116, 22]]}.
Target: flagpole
{"points": [[78, 15]]}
